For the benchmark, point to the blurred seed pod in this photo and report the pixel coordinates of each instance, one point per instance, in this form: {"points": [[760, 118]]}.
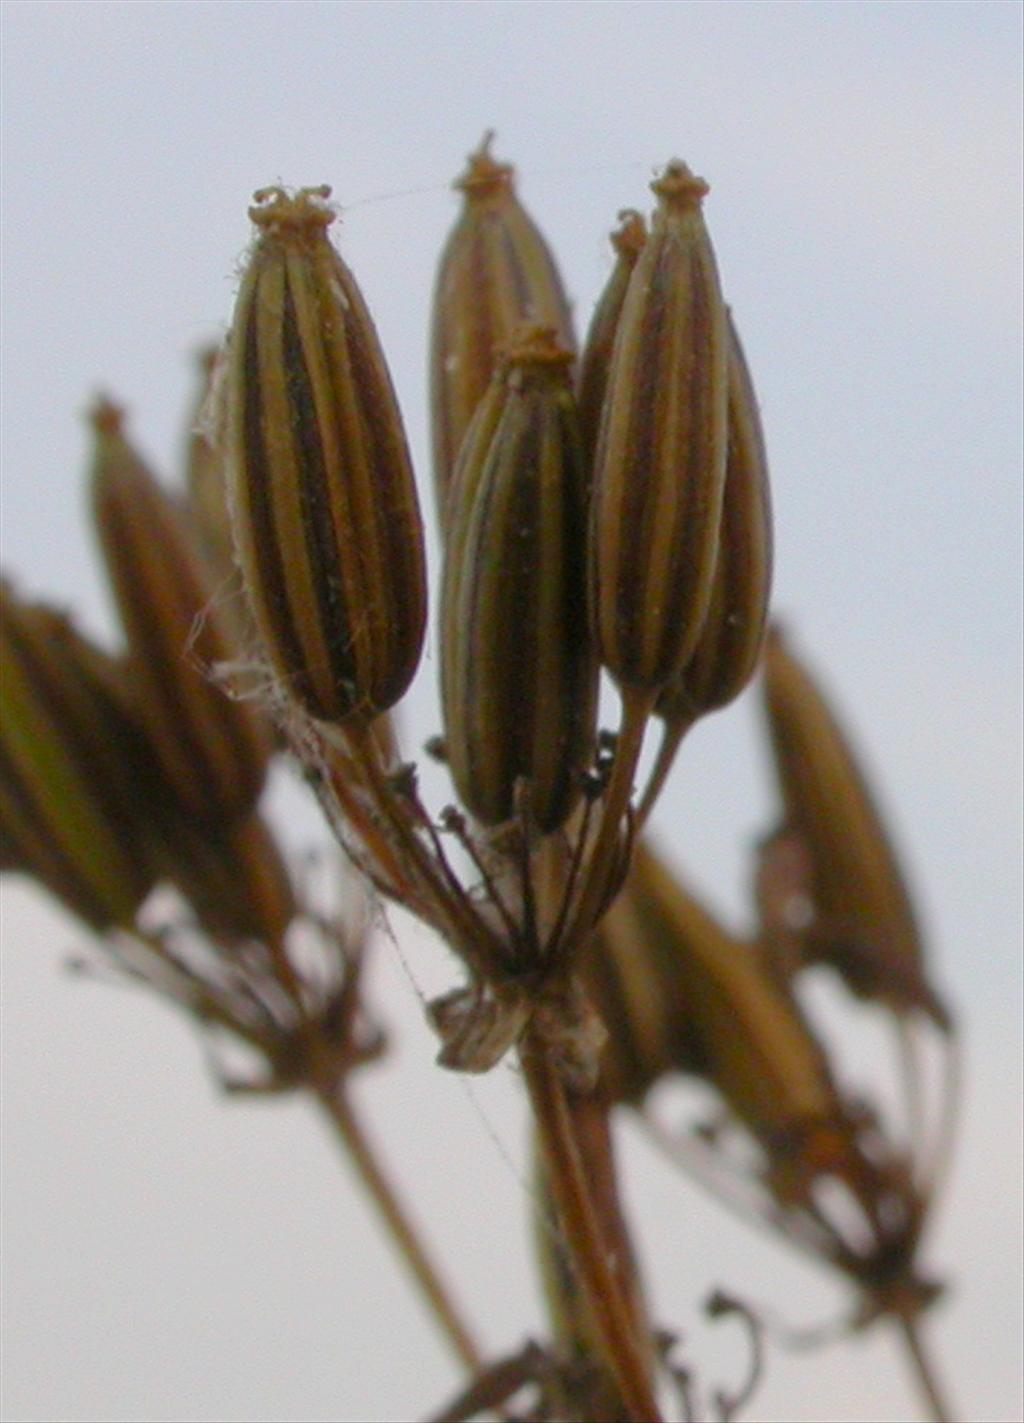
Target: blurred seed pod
{"points": [[862, 921], [235, 879], [681, 994], [628, 241], [659, 469], [732, 636], [73, 770], [496, 272], [213, 748], [327, 526], [518, 673]]}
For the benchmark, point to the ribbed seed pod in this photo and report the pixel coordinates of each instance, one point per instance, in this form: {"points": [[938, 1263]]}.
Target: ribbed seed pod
{"points": [[213, 749], [864, 923], [517, 669], [628, 241], [496, 272], [327, 526], [72, 776], [659, 469], [730, 642], [682, 994]]}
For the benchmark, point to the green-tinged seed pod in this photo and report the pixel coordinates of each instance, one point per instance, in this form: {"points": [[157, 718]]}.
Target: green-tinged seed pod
{"points": [[327, 526], [235, 880], [731, 639], [683, 994], [659, 469], [518, 673], [72, 768], [864, 924], [213, 748], [628, 241], [496, 272]]}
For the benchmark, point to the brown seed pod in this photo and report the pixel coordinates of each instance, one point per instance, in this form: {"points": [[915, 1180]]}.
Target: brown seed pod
{"points": [[628, 241], [659, 469], [327, 525], [518, 673], [205, 478], [73, 770], [730, 642], [213, 749], [863, 922], [496, 272], [683, 994]]}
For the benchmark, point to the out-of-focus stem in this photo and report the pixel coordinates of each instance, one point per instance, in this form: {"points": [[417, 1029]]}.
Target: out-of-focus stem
{"points": [[612, 1317], [363, 1157], [939, 1410]]}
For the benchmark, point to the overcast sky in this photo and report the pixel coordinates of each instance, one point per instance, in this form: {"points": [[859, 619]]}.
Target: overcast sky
{"points": [[172, 1256]]}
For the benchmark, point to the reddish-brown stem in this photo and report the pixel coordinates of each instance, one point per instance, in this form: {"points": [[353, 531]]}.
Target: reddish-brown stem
{"points": [[403, 1234], [611, 1315]]}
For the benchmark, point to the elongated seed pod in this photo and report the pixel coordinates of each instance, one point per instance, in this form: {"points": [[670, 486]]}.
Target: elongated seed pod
{"points": [[518, 672], [213, 749], [327, 526], [864, 922], [72, 777], [205, 478], [235, 880], [496, 272], [628, 240], [731, 639], [682, 994], [659, 470]]}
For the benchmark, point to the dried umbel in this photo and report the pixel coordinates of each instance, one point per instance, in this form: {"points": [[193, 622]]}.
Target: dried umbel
{"points": [[659, 469], [496, 272], [518, 672], [72, 777], [860, 918], [327, 525], [213, 749]]}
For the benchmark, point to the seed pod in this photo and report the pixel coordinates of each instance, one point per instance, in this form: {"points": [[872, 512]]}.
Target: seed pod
{"points": [[327, 527], [496, 272], [628, 241], [235, 879], [213, 749], [682, 994], [71, 769], [863, 922], [517, 669], [659, 470], [730, 642]]}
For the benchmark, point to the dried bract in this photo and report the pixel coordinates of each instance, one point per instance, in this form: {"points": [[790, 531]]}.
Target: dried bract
{"points": [[327, 525]]}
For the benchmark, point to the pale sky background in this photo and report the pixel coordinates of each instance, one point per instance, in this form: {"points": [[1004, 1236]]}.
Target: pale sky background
{"points": [[170, 1255]]}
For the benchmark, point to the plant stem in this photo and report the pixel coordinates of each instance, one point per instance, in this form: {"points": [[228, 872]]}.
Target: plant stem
{"points": [[613, 1321], [398, 1223], [939, 1409]]}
